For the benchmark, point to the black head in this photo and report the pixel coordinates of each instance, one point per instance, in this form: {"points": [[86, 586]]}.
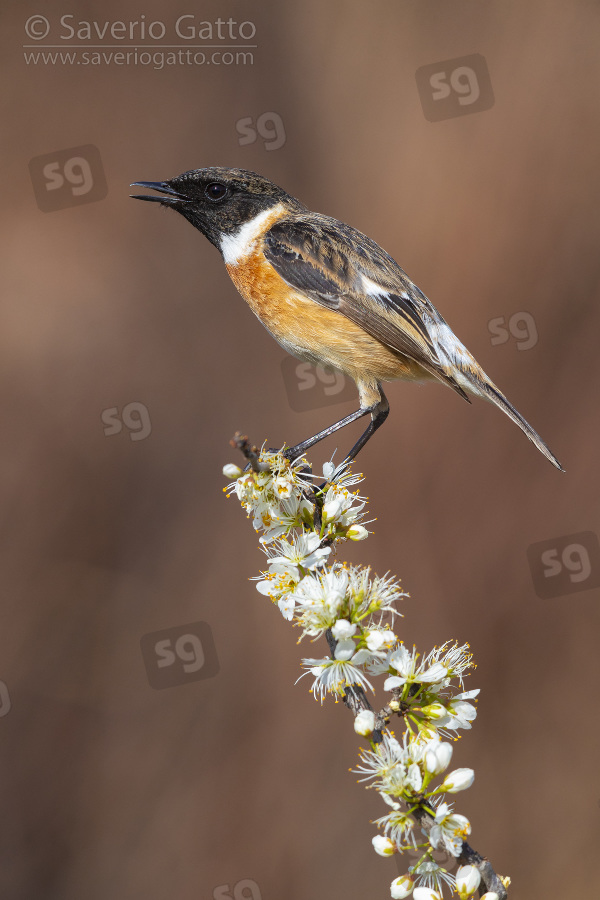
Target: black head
{"points": [[216, 200]]}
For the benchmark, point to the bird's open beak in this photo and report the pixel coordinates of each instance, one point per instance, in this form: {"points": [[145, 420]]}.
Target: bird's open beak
{"points": [[162, 187]]}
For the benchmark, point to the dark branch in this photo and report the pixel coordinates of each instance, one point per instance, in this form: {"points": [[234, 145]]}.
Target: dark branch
{"points": [[240, 442]]}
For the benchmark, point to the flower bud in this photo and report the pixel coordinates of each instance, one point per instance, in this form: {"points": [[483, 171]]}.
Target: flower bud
{"points": [[357, 533], [364, 724], [402, 887], [459, 780], [490, 895], [374, 639], [232, 471], [378, 639], [328, 470], [468, 880], [437, 759], [383, 845], [434, 710], [423, 893], [343, 629]]}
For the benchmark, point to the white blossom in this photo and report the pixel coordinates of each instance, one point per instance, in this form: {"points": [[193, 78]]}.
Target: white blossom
{"points": [[377, 763], [449, 830], [460, 715], [380, 638], [430, 875], [283, 487], [343, 509], [378, 594], [299, 524], [275, 497], [279, 587], [408, 670], [302, 552], [455, 659], [333, 676], [320, 597], [399, 825]]}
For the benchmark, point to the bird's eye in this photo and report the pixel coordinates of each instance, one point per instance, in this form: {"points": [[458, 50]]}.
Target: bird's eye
{"points": [[215, 191]]}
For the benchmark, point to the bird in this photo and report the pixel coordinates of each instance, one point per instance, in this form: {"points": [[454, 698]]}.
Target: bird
{"points": [[328, 294]]}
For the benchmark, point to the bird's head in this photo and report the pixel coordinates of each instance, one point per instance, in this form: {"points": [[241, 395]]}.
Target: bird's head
{"points": [[216, 200]]}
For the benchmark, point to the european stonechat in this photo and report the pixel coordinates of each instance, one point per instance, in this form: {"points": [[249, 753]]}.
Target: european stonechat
{"points": [[328, 294]]}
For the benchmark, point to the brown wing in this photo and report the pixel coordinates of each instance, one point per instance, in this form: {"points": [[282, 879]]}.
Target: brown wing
{"points": [[342, 269]]}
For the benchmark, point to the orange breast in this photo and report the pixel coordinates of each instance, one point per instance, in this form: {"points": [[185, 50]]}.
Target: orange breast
{"points": [[313, 332]]}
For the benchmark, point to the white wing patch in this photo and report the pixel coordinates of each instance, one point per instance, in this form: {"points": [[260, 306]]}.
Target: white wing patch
{"points": [[372, 288], [240, 244], [456, 355], [376, 290]]}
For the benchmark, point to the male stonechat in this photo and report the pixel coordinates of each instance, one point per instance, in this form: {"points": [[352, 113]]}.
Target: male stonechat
{"points": [[328, 294]]}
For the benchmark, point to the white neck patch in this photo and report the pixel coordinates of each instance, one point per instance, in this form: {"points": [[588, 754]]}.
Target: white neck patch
{"points": [[241, 243]]}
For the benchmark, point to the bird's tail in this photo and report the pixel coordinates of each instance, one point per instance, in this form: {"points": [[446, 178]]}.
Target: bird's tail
{"points": [[488, 390]]}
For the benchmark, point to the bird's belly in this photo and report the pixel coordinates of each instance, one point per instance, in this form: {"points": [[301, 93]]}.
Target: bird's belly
{"points": [[314, 333]]}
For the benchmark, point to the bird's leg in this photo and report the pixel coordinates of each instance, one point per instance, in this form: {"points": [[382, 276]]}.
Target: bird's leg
{"points": [[378, 411], [293, 452], [379, 414]]}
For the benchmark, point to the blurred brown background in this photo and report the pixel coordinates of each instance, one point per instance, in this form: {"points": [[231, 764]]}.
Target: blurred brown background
{"points": [[114, 789]]}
